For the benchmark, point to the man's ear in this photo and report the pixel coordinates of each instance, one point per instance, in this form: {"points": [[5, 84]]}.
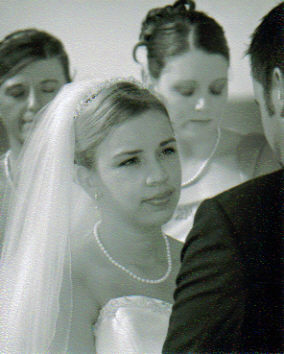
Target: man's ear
{"points": [[85, 177], [277, 91]]}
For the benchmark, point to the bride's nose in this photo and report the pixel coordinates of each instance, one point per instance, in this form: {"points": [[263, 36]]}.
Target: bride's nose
{"points": [[156, 174]]}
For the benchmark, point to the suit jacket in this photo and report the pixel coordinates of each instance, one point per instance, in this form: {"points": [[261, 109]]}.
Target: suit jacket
{"points": [[228, 295]]}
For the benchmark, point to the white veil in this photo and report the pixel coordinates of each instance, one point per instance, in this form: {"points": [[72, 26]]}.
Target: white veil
{"points": [[35, 265]]}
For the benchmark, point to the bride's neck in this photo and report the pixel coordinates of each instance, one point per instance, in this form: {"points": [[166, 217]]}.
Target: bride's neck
{"points": [[123, 240]]}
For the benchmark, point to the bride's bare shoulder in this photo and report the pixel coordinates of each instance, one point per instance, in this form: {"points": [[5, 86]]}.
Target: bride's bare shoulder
{"points": [[86, 256]]}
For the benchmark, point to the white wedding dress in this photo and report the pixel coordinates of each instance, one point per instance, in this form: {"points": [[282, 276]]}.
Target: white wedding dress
{"points": [[132, 324], [35, 273]]}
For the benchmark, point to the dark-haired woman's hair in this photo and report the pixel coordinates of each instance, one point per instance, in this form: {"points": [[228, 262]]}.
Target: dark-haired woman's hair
{"points": [[166, 32], [22, 47]]}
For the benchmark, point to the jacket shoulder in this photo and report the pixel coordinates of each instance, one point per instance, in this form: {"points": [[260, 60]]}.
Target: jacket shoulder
{"points": [[253, 193]]}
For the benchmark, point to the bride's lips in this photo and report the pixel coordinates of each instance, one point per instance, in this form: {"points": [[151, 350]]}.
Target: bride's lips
{"points": [[201, 121], [160, 199]]}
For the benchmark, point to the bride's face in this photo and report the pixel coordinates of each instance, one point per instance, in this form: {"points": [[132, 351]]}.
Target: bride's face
{"points": [[137, 174]]}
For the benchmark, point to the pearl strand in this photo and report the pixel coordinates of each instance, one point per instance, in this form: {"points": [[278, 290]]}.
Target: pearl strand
{"points": [[131, 274], [205, 163]]}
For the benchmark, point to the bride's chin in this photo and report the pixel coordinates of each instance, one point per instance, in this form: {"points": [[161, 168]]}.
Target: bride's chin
{"points": [[159, 219]]}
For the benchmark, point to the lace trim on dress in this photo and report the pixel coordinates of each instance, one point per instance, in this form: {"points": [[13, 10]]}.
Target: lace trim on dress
{"points": [[133, 301]]}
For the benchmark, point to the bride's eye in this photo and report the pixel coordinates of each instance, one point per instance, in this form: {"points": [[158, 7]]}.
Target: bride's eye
{"points": [[169, 151], [129, 162]]}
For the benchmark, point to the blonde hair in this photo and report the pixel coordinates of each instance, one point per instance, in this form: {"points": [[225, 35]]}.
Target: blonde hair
{"points": [[112, 104]]}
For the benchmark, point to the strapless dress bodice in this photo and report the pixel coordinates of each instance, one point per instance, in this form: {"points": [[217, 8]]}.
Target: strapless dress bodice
{"points": [[132, 324]]}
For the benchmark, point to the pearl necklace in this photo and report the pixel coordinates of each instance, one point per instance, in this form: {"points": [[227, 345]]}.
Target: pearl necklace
{"points": [[7, 168], [205, 163], [131, 274]]}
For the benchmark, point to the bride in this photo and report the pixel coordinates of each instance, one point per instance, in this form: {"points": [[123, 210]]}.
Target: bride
{"points": [[110, 290]]}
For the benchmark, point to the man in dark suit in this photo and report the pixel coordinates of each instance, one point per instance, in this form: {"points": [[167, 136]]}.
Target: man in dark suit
{"points": [[228, 295]]}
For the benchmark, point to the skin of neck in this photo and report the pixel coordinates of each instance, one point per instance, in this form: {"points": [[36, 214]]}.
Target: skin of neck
{"points": [[127, 241], [15, 149], [197, 148]]}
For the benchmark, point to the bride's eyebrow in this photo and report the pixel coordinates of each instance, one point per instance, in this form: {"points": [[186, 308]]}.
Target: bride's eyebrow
{"points": [[134, 152], [166, 142], [128, 153]]}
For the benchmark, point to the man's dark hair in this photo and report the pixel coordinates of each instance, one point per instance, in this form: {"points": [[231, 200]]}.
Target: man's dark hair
{"points": [[266, 50]]}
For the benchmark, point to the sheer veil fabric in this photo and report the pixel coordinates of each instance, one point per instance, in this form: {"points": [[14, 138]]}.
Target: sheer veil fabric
{"points": [[35, 272]]}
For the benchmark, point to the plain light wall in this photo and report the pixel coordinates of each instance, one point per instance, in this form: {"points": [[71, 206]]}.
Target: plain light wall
{"points": [[99, 35]]}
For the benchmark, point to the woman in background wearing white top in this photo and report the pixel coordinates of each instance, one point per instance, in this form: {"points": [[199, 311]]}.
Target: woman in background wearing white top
{"points": [[187, 62]]}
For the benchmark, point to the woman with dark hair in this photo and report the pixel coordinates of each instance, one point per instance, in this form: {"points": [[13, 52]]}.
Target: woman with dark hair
{"points": [[120, 276], [185, 58], [33, 67]]}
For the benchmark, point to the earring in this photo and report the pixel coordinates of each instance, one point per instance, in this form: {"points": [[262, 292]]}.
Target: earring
{"points": [[96, 197]]}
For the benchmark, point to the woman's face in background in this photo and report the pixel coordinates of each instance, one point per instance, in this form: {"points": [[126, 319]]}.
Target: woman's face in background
{"points": [[25, 93], [137, 172], [194, 87]]}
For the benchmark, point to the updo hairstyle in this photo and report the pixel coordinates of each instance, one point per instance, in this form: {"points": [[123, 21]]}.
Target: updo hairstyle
{"points": [[165, 33], [111, 105], [22, 47]]}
